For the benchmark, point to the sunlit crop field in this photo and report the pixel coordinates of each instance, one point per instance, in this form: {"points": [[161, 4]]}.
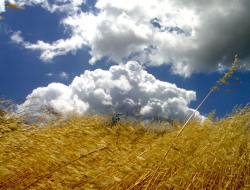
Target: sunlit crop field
{"points": [[90, 152]]}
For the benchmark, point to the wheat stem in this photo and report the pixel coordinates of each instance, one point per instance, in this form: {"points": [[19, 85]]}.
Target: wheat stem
{"points": [[222, 80], [46, 175], [178, 134]]}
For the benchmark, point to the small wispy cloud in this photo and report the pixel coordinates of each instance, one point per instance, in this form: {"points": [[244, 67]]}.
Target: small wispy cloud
{"points": [[17, 38], [64, 75], [49, 74], [222, 68], [59, 47], [49, 51]]}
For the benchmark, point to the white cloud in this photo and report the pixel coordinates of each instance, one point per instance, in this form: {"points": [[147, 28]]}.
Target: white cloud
{"points": [[57, 5], [2, 7], [193, 36], [55, 95], [59, 47], [49, 51], [222, 68], [64, 75], [129, 86], [16, 37]]}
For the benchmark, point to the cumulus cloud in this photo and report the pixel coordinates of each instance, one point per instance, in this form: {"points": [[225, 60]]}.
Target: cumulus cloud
{"points": [[128, 89], [193, 36]]}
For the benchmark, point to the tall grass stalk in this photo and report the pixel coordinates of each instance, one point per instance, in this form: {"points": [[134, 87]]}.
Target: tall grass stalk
{"points": [[223, 80]]}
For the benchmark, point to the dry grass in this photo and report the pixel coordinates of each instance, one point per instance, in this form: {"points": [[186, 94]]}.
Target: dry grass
{"points": [[85, 153], [223, 80]]}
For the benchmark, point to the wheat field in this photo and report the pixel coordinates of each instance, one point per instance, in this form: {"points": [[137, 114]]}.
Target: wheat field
{"points": [[88, 152]]}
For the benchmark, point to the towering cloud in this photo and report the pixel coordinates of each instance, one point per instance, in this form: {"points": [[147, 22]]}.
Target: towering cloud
{"points": [[128, 89]]}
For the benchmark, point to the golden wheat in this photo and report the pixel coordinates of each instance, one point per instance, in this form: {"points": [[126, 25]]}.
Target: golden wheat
{"points": [[85, 153], [223, 80]]}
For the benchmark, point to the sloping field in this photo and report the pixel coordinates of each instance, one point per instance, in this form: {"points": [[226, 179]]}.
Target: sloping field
{"points": [[88, 152]]}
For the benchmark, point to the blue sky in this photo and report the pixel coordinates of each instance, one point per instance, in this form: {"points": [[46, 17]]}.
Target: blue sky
{"points": [[88, 54]]}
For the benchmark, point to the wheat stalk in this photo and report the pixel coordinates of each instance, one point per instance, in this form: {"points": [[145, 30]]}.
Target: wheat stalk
{"points": [[223, 80]]}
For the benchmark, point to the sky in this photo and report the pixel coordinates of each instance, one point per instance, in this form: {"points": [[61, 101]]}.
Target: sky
{"points": [[151, 58]]}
